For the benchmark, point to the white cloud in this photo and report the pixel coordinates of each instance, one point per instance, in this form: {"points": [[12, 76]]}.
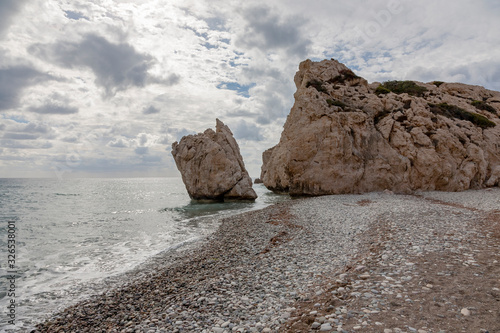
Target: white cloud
{"points": [[105, 87]]}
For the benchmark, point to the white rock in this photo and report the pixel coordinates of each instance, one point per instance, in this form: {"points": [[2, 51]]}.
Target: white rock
{"points": [[212, 167], [373, 143], [465, 312]]}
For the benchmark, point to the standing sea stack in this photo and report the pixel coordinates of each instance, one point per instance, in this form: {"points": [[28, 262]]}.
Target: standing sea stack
{"points": [[344, 135], [212, 167]]}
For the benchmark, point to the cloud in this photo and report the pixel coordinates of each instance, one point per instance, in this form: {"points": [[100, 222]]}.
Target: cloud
{"points": [[20, 144], [37, 128], [13, 80], [247, 131], [141, 150], [20, 136], [119, 143], [143, 139], [116, 66], [151, 158], [53, 109], [266, 31], [8, 8], [150, 110]]}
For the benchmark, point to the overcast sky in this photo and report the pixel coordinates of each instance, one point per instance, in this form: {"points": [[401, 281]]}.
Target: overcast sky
{"points": [[103, 87]]}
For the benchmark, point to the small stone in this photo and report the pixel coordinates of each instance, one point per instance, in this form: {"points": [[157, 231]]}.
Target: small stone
{"points": [[387, 330], [465, 312], [266, 330], [325, 327], [315, 325]]}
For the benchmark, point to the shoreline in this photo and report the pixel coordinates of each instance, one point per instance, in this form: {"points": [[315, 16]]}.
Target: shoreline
{"points": [[259, 268]]}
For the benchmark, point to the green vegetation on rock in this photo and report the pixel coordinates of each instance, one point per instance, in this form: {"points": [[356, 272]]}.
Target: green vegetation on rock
{"points": [[400, 87], [437, 83], [381, 90], [345, 75], [318, 84], [484, 106], [453, 111]]}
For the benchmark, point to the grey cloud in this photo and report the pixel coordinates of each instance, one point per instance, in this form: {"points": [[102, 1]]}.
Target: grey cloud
{"points": [[37, 128], [8, 8], [244, 130], [2, 127], [143, 139], [20, 136], [171, 80], [116, 66], [18, 144], [141, 150], [118, 144], [267, 31], [71, 139], [150, 110], [151, 158], [53, 109], [241, 113], [13, 80]]}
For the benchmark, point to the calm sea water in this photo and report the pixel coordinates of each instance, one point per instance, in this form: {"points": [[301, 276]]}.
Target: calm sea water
{"points": [[72, 234]]}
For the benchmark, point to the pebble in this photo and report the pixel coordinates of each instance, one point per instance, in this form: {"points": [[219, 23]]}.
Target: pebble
{"points": [[326, 327], [238, 280]]}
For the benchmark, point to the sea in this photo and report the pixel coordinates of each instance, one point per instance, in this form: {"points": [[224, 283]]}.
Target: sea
{"points": [[61, 240]]}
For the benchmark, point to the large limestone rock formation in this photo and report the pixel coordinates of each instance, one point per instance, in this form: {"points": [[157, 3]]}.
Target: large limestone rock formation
{"points": [[344, 135], [212, 167]]}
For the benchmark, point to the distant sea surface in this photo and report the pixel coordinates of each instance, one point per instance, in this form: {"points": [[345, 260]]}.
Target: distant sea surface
{"points": [[73, 234]]}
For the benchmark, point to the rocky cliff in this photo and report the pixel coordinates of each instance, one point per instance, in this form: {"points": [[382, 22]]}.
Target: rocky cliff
{"points": [[344, 135], [212, 167]]}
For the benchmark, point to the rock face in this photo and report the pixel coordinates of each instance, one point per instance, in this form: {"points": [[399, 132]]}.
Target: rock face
{"points": [[344, 135], [212, 167]]}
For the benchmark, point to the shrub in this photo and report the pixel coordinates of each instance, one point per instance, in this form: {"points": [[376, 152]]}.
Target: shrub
{"points": [[345, 75], [453, 111], [382, 90], [484, 106], [332, 102], [316, 84], [400, 87], [437, 83]]}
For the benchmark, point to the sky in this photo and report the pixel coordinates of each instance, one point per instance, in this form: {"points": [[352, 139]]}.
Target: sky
{"points": [[103, 88]]}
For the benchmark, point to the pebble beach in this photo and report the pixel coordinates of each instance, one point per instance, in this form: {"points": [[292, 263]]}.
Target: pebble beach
{"points": [[377, 262]]}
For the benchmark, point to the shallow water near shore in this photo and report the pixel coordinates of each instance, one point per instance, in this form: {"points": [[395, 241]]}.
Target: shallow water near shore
{"points": [[73, 234]]}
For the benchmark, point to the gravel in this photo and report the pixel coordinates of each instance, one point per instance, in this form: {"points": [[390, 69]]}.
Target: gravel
{"points": [[294, 263]]}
